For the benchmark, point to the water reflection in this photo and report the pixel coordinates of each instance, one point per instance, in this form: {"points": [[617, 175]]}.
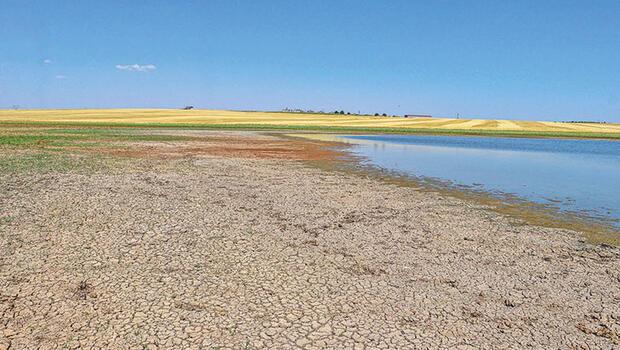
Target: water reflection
{"points": [[575, 176]]}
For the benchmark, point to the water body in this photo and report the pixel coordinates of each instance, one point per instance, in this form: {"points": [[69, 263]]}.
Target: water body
{"points": [[578, 177]]}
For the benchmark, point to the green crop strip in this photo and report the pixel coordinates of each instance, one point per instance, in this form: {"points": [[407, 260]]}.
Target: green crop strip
{"points": [[420, 131]]}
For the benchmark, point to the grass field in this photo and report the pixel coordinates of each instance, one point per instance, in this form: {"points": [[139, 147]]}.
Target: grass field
{"points": [[300, 121]]}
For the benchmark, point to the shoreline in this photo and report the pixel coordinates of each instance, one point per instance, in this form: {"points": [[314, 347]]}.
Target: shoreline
{"points": [[595, 231], [232, 239]]}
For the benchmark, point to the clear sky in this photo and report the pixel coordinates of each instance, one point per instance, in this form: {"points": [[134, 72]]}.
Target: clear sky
{"points": [[545, 59]]}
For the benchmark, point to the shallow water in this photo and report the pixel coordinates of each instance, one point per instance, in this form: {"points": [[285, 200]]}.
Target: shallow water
{"points": [[578, 177]]}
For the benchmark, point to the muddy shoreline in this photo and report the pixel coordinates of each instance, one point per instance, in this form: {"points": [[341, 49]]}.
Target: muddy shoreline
{"points": [[597, 231], [236, 242]]}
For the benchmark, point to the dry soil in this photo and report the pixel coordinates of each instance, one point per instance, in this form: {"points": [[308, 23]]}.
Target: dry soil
{"points": [[203, 249]]}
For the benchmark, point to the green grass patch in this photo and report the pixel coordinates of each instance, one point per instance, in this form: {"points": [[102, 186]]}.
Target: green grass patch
{"points": [[54, 138], [29, 140], [5, 220], [46, 161], [79, 131], [115, 135], [38, 149]]}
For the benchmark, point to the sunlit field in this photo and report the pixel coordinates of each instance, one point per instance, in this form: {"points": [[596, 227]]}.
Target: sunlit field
{"points": [[323, 122]]}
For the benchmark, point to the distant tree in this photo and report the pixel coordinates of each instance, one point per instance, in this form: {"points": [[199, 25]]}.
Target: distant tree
{"points": [[187, 108], [348, 113], [376, 114], [341, 112], [385, 115], [335, 112]]}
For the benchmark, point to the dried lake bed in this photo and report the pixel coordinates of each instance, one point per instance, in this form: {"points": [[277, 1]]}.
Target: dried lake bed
{"points": [[207, 239]]}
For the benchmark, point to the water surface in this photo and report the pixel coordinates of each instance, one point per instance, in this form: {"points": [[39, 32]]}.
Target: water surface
{"points": [[577, 177]]}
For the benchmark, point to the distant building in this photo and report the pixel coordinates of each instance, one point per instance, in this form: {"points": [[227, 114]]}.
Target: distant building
{"points": [[417, 116]]}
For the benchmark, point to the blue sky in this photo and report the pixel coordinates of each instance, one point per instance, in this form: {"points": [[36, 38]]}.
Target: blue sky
{"points": [[551, 60]]}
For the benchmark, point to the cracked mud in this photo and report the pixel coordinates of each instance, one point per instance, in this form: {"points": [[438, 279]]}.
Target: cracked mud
{"points": [[209, 251]]}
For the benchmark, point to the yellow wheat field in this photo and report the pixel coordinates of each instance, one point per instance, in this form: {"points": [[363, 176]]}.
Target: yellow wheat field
{"points": [[221, 117]]}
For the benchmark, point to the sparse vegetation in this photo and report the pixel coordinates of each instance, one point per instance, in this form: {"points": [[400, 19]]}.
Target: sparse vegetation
{"points": [[5, 220], [83, 289], [37, 149]]}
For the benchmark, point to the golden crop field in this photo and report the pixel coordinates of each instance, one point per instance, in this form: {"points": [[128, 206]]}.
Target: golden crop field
{"points": [[223, 118]]}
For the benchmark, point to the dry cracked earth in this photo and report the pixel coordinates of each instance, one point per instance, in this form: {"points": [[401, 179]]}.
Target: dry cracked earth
{"points": [[221, 252]]}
